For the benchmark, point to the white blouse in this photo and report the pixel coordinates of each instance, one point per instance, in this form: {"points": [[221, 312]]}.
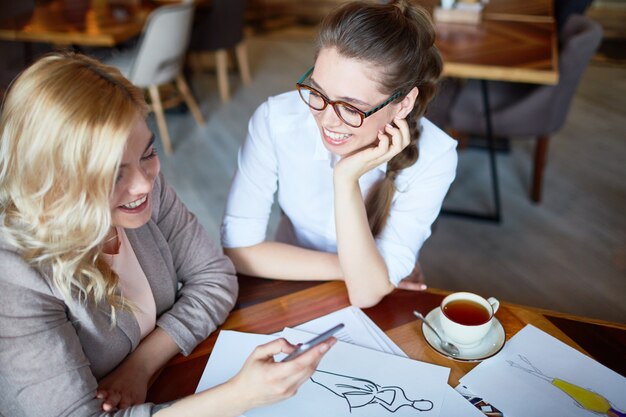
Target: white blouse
{"points": [[283, 151]]}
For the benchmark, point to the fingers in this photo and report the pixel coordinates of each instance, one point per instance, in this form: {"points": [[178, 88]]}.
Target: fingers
{"points": [[115, 400], [272, 348], [301, 368], [111, 401], [384, 143], [403, 125], [264, 381], [412, 286], [392, 140], [401, 135], [414, 281], [308, 361]]}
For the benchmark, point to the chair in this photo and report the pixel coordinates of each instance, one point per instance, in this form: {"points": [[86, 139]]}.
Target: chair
{"points": [[523, 110], [216, 29], [158, 59], [17, 11]]}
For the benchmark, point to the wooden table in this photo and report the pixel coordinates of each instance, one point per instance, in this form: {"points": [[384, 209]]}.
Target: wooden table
{"points": [[516, 41], [500, 50], [267, 306], [76, 22]]}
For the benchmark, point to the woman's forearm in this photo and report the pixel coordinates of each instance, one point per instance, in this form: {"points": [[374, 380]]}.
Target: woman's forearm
{"points": [[261, 381], [364, 269], [154, 351], [127, 384], [284, 261], [219, 401]]}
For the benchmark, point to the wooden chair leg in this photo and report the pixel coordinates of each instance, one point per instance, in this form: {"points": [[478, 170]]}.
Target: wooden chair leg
{"points": [[242, 62], [206, 60], [541, 152], [157, 107], [188, 97], [221, 57], [193, 61]]}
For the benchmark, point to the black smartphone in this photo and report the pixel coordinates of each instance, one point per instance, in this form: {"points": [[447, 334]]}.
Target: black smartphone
{"points": [[305, 347]]}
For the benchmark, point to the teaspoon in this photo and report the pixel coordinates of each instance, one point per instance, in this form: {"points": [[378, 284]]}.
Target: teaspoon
{"points": [[445, 345]]}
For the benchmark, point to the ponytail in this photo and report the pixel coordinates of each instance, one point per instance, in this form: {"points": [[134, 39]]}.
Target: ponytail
{"points": [[399, 38]]}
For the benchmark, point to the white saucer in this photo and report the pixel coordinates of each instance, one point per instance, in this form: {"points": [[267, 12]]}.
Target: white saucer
{"points": [[489, 346]]}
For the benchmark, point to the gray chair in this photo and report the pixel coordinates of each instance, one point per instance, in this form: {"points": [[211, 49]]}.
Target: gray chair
{"points": [[528, 110], [158, 59], [217, 29]]}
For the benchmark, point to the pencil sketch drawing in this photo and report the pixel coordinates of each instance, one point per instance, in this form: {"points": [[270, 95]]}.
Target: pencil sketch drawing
{"points": [[359, 392], [583, 397]]}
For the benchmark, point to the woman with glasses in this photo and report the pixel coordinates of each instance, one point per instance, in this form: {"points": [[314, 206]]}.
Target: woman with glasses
{"points": [[360, 174], [104, 274]]}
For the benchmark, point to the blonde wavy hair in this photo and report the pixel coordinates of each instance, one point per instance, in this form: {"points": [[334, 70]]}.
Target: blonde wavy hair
{"points": [[63, 130]]}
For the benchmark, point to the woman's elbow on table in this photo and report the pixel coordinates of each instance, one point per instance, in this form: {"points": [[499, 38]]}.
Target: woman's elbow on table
{"points": [[364, 296]]}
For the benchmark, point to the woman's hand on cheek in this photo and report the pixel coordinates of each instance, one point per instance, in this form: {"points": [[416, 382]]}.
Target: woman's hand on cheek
{"points": [[391, 142]]}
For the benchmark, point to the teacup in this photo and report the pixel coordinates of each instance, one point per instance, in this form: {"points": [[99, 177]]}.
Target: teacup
{"points": [[466, 317]]}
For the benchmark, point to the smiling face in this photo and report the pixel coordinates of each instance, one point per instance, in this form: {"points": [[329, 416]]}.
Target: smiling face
{"points": [[131, 204], [352, 81]]}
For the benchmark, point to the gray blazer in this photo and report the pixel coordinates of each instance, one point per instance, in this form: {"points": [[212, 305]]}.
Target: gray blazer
{"points": [[52, 354]]}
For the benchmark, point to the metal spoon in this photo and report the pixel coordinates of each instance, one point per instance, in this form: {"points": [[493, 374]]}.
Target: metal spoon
{"points": [[450, 348]]}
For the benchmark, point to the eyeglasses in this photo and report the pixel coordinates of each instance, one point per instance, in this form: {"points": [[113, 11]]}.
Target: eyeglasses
{"points": [[349, 114]]}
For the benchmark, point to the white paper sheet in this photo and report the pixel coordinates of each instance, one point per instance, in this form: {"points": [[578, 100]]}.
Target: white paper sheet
{"points": [[356, 381], [359, 328], [378, 333], [392, 376], [356, 330], [228, 356], [455, 405], [538, 375]]}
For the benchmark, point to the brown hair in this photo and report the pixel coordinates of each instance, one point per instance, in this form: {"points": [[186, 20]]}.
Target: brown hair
{"points": [[399, 39]]}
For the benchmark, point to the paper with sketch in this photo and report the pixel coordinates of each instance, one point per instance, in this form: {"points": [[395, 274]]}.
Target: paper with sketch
{"points": [[538, 375], [359, 330], [350, 380], [455, 405]]}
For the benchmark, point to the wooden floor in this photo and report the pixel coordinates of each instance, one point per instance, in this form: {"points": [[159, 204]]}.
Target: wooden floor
{"points": [[567, 254]]}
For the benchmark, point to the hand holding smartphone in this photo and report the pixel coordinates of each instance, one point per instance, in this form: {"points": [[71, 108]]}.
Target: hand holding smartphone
{"points": [[305, 347]]}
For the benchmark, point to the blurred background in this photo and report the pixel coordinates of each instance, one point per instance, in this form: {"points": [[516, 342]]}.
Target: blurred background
{"points": [[566, 252]]}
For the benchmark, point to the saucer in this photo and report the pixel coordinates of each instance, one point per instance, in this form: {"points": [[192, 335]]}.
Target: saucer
{"points": [[491, 344]]}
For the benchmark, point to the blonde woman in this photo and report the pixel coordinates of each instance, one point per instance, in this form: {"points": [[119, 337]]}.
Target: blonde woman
{"points": [[104, 274], [360, 174]]}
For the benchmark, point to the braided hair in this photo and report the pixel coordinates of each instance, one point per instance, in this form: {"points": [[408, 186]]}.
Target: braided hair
{"points": [[399, 38]]}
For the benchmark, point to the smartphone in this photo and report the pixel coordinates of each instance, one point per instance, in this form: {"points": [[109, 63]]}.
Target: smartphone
{"points": [[305, 347]]}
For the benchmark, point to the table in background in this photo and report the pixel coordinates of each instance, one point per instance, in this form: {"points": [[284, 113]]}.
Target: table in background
{"points": [[267, 306], [515, 41], [77, 22]]}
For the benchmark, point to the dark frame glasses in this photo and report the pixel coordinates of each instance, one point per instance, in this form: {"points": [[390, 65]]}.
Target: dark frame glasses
{"points": [[326, 101]]}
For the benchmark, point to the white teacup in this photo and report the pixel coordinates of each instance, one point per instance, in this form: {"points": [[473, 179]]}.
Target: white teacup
{"points": [[466, 317]]}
